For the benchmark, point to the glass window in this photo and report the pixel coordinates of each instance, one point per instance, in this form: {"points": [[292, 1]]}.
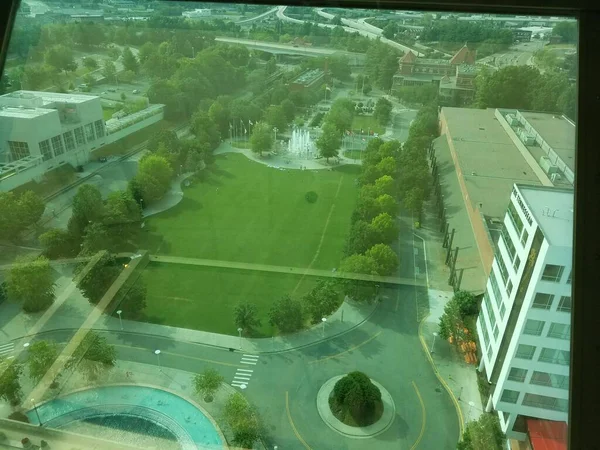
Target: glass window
{"points": [[99, 128], [57, 145], [502, 311], [79, 136], [45, 150], [495, 333], [18, 150], [509, 288], [517, 374], [89, 132], [533, 327], [569, 279], [554, 356], [524, 237], [502, 269], [564, 305], [495, 288], [559, 331], [545, 402], [525, 351], [515, 219], [489, 353], [550, 379], [516, 263], [552, 273], [508, 243], [69, 141], [486, 336], [542, 301], [509, 396]]}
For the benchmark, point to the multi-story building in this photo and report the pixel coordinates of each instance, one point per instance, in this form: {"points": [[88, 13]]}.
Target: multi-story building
{"points": [[309, 80], [524, 323], [453, 76]]}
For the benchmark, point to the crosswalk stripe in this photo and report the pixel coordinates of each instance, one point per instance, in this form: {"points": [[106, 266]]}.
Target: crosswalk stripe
{"points": [[247, 362], [238, 384], [242, 378], [251, 356], [9, 345], [245, 370]]}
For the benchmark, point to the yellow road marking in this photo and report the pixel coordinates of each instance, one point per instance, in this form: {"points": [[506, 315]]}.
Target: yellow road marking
{"points": [[287, 409], [347, 350], [423, 415], [461, 420], [182, 355]]}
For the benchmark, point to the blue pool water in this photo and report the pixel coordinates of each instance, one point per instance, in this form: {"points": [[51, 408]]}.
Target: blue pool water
{"points": [[139, 409]]}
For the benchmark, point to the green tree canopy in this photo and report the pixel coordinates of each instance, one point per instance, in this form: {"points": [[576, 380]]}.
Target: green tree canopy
{"points": [[109, 70], [40, 357], [130, 62], [207, 383], [385, 258], [99, 277], [385, 227], [243, 420], [287, 315], [275, 117], [94, 356], [245, 316], [61, 58], [356, 396], [322, 300], [383, 111], [362, 236], [261, 139], [57, 243], [329, 142], [31, 282], [10, 386], [154, 175], [385, 185], [508, 87]]}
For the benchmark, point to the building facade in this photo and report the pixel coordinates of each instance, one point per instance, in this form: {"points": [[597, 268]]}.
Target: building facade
{"points": [[524, 323], [454, 76]]}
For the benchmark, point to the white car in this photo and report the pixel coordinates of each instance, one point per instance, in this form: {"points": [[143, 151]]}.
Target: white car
{"points": [[135, 91]]}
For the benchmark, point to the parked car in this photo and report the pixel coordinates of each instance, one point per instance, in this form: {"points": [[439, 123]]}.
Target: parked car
{"points": [[112, 90], [102, 159]]}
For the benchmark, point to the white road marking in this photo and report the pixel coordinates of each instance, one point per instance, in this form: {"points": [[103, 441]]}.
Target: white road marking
{"points": [[5, 349], [248, 362], [242, 377], [245, 370]]}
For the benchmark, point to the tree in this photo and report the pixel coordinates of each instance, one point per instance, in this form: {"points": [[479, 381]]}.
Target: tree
{"points": [[245, 316], [467, 303], [289, 109], [90, 63], [329, 142], [99, 277], [567, 102], [275, 116], [109, 70], [387, 204], [390, 30], [31, 207], [220, 116], [321, 301], [10, 387], [61, 58], [243, 420], [355, 395], [94, 356], [127, 77], [122, 218], [207, 383], [261, 139], [383, 110], [357, 289], [362, 236], [130, 62], [483, 434], [31, 282], [387, 166], [286, 314], [154, 175], [271, 66], [386, 260], [206, 130], [341, 114], [95, 238], [567, 31], [452, 323], [385, 185], [366, 209], [88, 207], [134, 301], [40, 357], [547, 94], [509, 87]]}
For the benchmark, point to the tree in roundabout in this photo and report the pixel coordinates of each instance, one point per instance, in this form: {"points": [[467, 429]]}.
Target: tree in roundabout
{"points": [[356, 401]]}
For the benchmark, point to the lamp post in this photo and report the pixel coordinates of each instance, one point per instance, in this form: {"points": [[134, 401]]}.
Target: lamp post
{"points": [[120, 319], [240, 333], [157, 353], [323, 320], [433, 343], [275, 130], [36, 412]]}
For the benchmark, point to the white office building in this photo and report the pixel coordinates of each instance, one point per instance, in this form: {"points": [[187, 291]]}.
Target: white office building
{"points": [[524, 323], [42, 130]]}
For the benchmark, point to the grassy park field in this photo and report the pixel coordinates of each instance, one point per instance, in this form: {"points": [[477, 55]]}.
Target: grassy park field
{"points": [[367, 123], [246, 212]]}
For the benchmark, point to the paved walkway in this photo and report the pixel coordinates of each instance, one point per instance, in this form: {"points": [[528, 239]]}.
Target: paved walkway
{"points": [[459, 377], [170, 199]]}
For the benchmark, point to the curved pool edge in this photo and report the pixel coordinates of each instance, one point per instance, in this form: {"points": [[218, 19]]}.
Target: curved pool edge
{"points": [[151, 386]]}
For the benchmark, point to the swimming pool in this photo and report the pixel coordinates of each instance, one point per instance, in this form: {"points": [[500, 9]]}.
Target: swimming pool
{"points": [[138, 409]]}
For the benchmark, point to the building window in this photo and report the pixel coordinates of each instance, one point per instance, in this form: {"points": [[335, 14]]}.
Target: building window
{"points": [[495, 288], [18, 150], [542, 301], [99, 128], [525, 351], [569, 279], [565, 304], [502, 311], [516, 263], [489, 353], [517, 374], [524, 237], [495, 333], [515, 219], [550, 379], [45, 150], [488, 303], [509, 396], [509, 288], [486, 336], [69, 142], [533, 327], [554, 356], [503, 270], [89, 132], [79, 136], [552, 273], [559, 331], [57, 145], [545, 402]]}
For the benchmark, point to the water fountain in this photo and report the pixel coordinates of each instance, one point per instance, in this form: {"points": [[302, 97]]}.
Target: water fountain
{"points": [[301, 145]]}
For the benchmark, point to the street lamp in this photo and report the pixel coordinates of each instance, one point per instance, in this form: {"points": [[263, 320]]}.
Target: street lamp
{"points": [[157, 353], [275, 130], [240, 333], [323, 320], [433, 343], [26, 345], [120, 319], [36, 412]]}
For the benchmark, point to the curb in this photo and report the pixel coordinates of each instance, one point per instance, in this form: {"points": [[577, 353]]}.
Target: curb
{"points": [[461, 420]]}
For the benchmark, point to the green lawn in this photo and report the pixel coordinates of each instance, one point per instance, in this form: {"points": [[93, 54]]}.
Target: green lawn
{"points": [[367, 123], [245, 211], [353, 154]]}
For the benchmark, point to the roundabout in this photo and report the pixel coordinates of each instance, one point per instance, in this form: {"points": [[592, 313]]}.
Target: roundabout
{"points": [[381, 424]]}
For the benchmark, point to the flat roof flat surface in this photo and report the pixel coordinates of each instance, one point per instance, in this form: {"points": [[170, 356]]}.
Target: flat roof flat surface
{"points": [[552, 209], [24, 113], [490, 162], [50, 97], [557, 131]]}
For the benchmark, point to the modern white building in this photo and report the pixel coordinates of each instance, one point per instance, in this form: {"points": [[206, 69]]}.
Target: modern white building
{"points": [[524, 323], [44, 130]]}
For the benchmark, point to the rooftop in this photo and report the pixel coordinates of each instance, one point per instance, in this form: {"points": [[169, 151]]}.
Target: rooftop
{"points": [[557, 131], [489, 161], [46, 97], [552, 209], [23, 112], [309, 77]]}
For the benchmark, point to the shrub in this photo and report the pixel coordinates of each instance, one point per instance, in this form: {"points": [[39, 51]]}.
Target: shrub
{"points": [[19, 416], [356, 396], [311, 196], [3, 437]]}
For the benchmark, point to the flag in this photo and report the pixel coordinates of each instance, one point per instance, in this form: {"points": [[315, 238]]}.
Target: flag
{"points": [[249, 122], [245, 131], [327, 88]]}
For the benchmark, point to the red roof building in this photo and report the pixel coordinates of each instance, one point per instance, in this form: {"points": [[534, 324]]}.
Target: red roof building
{"points": [[547, 434]]}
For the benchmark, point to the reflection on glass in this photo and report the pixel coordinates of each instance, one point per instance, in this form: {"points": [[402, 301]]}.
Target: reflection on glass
{"points": [[215, 217]]}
